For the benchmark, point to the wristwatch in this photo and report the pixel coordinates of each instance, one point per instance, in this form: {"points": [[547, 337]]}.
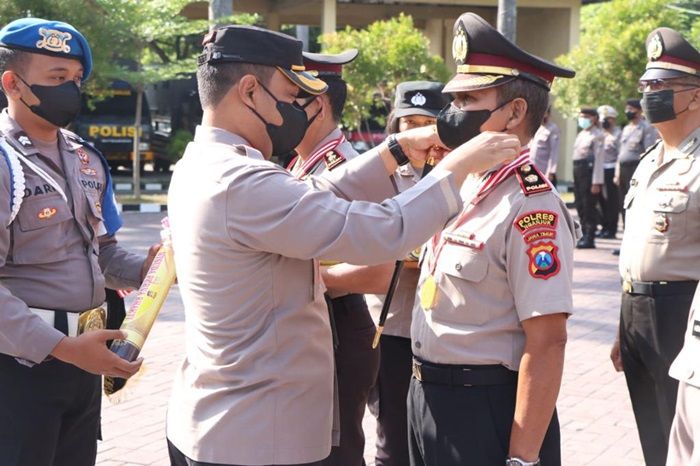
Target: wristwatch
{"points": [[396, 150], [515, 461]]}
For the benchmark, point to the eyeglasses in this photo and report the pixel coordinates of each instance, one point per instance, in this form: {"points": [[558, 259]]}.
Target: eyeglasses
{"points": [[660, 85]]}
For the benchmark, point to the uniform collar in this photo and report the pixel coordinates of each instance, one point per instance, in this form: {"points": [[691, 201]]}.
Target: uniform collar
{"points": [[335, 134], [408, 171], [16, 135], [688, 147], [211, 134]]}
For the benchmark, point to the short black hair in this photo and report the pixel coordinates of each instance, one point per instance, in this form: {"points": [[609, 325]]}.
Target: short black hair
{"points": [[634, 103], [215, 80], [13, 60], [536, 96], [337, 95]]}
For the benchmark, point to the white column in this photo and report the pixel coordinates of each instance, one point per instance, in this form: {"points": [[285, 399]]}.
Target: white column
{"points": [[328, 18], [219, 9]]}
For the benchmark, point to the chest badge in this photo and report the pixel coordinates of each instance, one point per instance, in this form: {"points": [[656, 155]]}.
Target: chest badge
{"points": [[89, 171], [661, 223], [46, 213], [83, 156]]}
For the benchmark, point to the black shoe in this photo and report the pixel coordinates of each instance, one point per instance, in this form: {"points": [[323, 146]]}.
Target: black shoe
{"points": [[616, 252], [607, 234], [587, 242]]}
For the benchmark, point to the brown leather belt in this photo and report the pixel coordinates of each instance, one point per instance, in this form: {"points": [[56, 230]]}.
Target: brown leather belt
{"points": [[467, 375]]}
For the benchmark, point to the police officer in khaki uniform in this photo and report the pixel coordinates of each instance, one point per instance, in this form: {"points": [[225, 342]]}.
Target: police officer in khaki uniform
{"points": [[544, 147], [684, 442], [416, 104], [256, 384], [57, 253], [609, 196], [494, 294], [660, 248], [637, 136], [324, 147], [588, 173]]}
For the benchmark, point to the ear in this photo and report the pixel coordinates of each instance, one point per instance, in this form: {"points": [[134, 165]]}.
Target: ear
{"points": [[695, 102], [245, 88], [10, 84], [519, 108]]}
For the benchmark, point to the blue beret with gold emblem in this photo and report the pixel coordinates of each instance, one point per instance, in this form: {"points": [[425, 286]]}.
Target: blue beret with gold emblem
{"points": [[54, 38]]}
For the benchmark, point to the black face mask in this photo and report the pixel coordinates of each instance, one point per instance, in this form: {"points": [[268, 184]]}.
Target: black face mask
{"points": [[630, 115], [658, 105], [289, 134], [455, 126], [606, 124], [59, 105]]}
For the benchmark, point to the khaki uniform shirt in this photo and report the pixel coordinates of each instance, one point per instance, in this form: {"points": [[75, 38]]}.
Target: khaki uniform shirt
{"points": [[544, 148], [662, 232], [398, 320], [487, 287], [635, 139], [256, 385], [686, 366], [611, 146], [55, 254], [332, 159], [589, 146]]}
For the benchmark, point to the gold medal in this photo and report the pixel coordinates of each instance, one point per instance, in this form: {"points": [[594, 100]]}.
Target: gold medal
{"points": [[428, 293]]}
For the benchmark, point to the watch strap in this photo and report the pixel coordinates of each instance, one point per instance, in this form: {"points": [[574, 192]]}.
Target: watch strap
{"points": [[396, 150]]}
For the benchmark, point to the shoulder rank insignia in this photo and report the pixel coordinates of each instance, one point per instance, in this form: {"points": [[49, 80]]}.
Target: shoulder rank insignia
{"points": [[531, 180], [23, 139], [333, 159], [83, 156]]}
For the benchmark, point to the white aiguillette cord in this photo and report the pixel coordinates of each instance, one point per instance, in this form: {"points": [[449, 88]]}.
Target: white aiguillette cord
{"points": [[39, 171]]}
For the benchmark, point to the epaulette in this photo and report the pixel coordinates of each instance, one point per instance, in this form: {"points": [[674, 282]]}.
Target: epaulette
{"points": [[531, 180], [333, 159], [649, 149]]}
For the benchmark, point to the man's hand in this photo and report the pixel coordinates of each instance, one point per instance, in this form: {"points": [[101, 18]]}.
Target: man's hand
{"points": [[616, 181], [419, 144], [477, 155], [89, 352], [152, 251], [595, 189], [615, 355]]}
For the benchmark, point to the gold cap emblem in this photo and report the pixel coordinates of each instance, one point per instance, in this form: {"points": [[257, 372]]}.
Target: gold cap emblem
{"points": [[655, 47], [460, 47], [54, 40]]}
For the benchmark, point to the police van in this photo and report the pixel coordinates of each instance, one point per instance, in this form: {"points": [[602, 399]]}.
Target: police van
{"points": [[107, 120]]}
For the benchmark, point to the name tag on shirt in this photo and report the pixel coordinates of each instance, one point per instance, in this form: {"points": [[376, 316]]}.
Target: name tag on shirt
{"points": [[464, 239]]}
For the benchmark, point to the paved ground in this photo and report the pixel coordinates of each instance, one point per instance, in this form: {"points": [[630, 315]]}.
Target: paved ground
{"points": [[594, 410]]}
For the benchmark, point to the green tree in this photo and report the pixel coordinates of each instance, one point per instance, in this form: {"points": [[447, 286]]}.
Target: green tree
{"points": [[391, 51], [611, 54]]}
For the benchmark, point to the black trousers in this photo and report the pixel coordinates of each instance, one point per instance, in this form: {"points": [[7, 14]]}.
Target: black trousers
{"points": [[467, 426], [610, 202], [583, 199], [49, 414], [626, 171], [651, 336], [357, 365], [388, 401], [177, 458]]}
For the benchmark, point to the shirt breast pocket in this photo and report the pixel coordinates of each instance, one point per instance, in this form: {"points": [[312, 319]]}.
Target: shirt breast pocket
{"points": [[461, 271], [40, 229], [669, 219]]}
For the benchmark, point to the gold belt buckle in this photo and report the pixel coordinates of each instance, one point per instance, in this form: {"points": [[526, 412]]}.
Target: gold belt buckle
{"points": [[94, 319], [627, 286], [416, 371]]}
